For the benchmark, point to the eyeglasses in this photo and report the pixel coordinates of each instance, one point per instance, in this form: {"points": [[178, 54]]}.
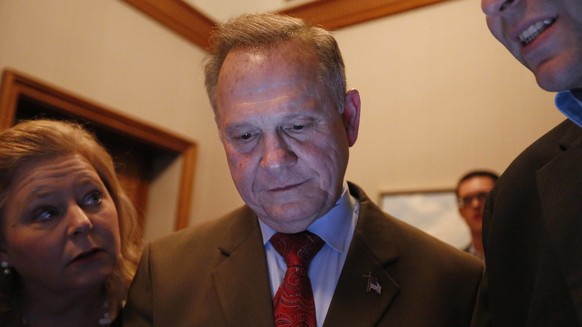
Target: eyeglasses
{"points": [[468, 200]]}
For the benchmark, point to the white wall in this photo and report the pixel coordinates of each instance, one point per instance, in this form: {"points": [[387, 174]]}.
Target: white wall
{"points": [[440, 96]]}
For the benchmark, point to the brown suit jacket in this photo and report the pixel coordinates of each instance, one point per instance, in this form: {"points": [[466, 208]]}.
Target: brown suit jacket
{"points": [[216, 274], [532, 228]]}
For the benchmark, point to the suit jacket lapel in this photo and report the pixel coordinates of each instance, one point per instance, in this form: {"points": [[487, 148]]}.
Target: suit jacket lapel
{"points": [[371, 250], [241, 280], [559, 185]]}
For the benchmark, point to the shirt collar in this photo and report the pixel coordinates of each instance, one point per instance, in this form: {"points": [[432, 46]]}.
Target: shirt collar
{"points": [[570, 105], [332, 227]]}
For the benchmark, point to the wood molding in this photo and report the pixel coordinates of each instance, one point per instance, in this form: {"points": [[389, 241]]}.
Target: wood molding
{"points": [[191, 24], [335, 14], [16, 85], [179, 17]]}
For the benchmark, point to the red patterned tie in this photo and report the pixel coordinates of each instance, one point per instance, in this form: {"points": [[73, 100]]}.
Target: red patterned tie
{"points": [[293, 302]]}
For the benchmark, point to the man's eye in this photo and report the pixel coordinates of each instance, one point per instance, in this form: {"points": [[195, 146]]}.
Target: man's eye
{"points": [[244, 136], [295, 127]]}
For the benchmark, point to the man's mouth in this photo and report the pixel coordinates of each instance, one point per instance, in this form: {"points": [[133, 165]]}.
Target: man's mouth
{"points": [[283, 188], [526, 37]]}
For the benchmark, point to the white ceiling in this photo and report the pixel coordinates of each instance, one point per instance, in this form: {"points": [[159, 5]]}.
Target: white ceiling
{"points": [[220, 10]]}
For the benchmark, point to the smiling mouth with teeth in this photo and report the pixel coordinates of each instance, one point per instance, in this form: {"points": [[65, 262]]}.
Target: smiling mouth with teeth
{"points": [[526, 37]]}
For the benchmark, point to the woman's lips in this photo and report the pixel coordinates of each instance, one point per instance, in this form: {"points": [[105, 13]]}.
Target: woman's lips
{"points": [[86, 255]]}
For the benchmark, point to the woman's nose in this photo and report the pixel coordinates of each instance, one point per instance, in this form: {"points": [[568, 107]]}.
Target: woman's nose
{"points": [[79, 221]]}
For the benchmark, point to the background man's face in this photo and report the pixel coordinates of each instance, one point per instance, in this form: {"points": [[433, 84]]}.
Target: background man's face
{"points": [[471, 194]]}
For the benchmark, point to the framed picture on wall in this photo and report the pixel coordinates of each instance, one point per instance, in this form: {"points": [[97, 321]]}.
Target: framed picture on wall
{"points": [[433, 211]]}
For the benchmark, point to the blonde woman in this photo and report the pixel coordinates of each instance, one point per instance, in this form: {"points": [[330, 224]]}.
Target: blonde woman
{"points": [[68, 239]]}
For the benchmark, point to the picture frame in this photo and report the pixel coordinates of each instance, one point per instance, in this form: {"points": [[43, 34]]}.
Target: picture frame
{"points": [[432, 211]]}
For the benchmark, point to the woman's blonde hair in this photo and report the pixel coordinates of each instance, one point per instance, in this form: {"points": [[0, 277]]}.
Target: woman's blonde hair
{"points": [[35, 140]]}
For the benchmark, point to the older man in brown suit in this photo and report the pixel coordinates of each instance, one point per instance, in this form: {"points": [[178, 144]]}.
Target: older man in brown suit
{"points": [[286, 120]]}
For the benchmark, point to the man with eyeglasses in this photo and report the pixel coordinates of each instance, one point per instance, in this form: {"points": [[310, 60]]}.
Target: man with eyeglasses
{"points": [[472, 190]]}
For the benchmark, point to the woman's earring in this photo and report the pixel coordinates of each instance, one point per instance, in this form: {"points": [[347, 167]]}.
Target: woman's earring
{"points": [[4, 265]]}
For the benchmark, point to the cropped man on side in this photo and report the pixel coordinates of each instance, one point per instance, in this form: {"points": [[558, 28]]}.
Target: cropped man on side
{"points": [[533, 221]]}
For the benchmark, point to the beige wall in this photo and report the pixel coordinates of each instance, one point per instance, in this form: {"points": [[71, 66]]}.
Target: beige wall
{"points": [[440, 96]]}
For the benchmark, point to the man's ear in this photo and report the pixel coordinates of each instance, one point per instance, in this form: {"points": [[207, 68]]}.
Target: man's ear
{"points": [[351, 115]]}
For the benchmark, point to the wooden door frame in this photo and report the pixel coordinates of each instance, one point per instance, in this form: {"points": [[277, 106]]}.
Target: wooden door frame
{"points": [[16, 84]]}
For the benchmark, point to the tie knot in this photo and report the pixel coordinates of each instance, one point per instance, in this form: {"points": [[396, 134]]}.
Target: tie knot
{"points": [[297, 249]]}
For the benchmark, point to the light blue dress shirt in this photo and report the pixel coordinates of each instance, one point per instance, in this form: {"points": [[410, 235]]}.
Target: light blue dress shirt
{"points": [[336, 228], [570, 105]]}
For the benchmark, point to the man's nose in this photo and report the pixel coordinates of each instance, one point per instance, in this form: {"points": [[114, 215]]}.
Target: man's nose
{"points": [[276, 152]]}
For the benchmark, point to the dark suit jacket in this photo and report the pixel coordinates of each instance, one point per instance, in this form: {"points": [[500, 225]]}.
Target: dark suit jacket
{"points": [[533, 236], [216, 274]]}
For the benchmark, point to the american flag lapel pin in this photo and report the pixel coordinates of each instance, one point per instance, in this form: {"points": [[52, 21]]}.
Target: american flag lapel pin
{"points": [[372, 284]]}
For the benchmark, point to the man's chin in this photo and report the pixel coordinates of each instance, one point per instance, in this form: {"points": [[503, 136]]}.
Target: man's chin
{"points": [[555, 76], [548, 84], [288, 217]]}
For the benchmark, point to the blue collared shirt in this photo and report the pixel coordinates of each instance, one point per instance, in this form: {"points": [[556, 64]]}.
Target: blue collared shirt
{"points": [[570, 105], [336, 228]]}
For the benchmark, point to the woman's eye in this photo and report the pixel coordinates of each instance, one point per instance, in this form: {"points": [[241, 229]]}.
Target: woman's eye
{"points": [[94, 198], [45, 215]]}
